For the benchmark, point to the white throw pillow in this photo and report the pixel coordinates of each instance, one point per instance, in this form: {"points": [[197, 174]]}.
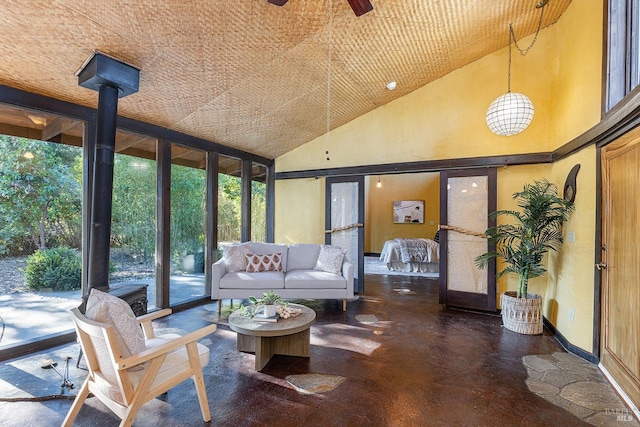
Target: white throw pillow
{"points": [[234, 256], [106, 308], [330, 259]]}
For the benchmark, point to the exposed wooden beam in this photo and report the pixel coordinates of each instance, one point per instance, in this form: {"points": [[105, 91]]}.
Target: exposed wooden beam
{"points": [[421, 166], [20, 131], [58, 126]]}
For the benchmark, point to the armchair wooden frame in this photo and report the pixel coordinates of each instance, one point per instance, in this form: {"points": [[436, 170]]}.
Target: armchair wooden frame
{"points": [[134, 380]]}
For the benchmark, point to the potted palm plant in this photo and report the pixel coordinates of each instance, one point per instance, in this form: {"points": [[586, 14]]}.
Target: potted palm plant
{"points": [[522, 244]]}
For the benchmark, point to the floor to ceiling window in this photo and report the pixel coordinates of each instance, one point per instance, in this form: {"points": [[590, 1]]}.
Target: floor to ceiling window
{"points": [[258, 203], [229, 200], [188, 226], [40, 225], [133, 223], [45, 202]]}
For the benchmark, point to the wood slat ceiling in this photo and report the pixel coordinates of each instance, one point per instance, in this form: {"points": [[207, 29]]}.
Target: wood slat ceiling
{"points": [[249, 74]]}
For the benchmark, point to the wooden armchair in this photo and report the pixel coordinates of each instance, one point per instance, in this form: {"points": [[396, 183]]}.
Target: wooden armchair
{"points": [[125, 382]]}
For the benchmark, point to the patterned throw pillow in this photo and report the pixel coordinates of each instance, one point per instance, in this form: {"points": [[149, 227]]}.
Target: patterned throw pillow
{"points": [[235, 259], [106, 308], [330, 259], [268, 262]]}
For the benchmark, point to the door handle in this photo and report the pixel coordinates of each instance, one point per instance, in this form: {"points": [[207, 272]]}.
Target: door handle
{"points": [[601, 266]]}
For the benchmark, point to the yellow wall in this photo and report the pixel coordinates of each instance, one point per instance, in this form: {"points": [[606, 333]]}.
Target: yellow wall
{"points": [[299, 211], [510, 180], [446, 119], [442, 120], [576, 93], [379, 225], [571, 272], [568, 283]]}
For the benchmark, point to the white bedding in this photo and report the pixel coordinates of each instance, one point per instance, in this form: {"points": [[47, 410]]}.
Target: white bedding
{"points": [[420, 255]]}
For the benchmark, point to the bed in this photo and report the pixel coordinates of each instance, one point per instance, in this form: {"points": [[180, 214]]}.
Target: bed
{"points": [[411, 255]]}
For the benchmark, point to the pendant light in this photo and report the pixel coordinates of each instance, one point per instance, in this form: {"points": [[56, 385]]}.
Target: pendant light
{"points": [[511, 113]]}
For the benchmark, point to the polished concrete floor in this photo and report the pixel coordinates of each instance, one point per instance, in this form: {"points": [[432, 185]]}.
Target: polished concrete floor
{"points": [[400, 357]]}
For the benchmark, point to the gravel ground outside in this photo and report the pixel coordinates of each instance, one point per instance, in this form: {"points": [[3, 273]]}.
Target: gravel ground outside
{"points": [[12, 274]]}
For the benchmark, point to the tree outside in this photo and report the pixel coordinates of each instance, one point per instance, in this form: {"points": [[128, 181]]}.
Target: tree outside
{"points": [[40, 195], [41, 209]]}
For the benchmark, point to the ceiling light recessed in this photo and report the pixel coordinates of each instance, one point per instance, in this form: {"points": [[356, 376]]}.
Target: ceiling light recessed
{"points": [[391, 85]]}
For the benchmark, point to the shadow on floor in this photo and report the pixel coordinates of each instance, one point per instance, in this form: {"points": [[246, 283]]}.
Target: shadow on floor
{"points": [[394, 358]]}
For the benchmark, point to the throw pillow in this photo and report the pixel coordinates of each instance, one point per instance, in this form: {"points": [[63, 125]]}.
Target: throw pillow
{"points": [[267, 262], [235, 259], [330, 259], [106, 308]]}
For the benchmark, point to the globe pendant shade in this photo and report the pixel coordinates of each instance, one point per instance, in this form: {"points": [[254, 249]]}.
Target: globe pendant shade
{"points": [[509, 114]]}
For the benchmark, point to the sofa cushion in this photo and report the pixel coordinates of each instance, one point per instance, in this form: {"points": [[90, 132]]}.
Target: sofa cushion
{"points": [[269, 262], [266, 280], [260, 248], [314, 279], [302, 256], [330, 259], [234, 257]]}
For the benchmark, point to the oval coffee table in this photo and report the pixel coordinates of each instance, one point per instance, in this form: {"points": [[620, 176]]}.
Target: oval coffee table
{"points": [[288, 337]]}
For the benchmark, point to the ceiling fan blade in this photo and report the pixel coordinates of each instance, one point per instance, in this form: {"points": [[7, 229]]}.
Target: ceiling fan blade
{"points": [[360, 7], [278, 2]]}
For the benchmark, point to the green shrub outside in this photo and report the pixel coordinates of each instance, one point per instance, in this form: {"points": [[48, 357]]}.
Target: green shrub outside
{"points": [[58, 269]]}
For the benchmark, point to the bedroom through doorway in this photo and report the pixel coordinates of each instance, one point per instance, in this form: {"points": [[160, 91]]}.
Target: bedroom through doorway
{"points": [[401, 224]]}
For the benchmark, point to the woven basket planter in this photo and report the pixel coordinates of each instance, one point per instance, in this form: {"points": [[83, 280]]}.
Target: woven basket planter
{"points": [[522, 315]]}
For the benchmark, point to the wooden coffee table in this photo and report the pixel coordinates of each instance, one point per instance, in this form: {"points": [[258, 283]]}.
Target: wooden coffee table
{"points": [[289, 337]]}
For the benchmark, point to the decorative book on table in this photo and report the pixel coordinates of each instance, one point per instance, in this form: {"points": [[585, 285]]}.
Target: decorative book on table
{"points": [[262, 318]]}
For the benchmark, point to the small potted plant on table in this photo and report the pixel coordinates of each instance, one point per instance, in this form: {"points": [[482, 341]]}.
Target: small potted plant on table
{"points": [[522, 245], [268, 304]]}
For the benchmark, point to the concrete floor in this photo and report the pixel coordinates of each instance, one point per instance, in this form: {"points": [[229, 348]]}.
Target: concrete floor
{"points": [[404, 361]]}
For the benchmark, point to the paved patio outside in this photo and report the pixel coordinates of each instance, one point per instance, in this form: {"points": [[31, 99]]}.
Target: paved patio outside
{"points": [[28, 316]]}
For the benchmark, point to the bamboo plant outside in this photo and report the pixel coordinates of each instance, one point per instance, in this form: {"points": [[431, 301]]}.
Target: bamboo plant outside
{"points": [[534, 231]]}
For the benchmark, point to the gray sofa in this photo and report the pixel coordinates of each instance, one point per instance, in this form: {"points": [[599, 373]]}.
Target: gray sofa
{"points": [[302, 276]]}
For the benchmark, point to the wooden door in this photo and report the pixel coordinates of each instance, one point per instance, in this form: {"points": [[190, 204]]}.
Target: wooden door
{"points": [[344, 221], [467, 197], [620, 263]]}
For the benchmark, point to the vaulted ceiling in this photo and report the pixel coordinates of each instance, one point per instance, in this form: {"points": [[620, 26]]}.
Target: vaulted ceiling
{"points": [[247, 73]]}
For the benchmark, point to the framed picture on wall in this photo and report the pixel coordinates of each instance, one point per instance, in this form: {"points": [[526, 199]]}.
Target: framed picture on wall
{"points": [[408, 212]]}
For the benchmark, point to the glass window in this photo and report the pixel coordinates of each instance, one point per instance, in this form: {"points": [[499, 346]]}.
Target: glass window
{"points": [[40, 233], [623, 62], [229, 200], [258, 203], [188, 225], [133, 223]]}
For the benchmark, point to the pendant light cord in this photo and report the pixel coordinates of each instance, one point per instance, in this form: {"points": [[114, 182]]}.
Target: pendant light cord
{"points": [[329, 66], [523, 52]]}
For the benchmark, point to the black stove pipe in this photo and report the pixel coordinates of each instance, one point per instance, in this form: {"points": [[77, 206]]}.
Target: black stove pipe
{"points": [[112, 79], [98, 274]]}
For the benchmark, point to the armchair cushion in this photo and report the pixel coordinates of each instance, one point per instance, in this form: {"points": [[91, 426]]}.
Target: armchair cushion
{"points": [[105, 308]]}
